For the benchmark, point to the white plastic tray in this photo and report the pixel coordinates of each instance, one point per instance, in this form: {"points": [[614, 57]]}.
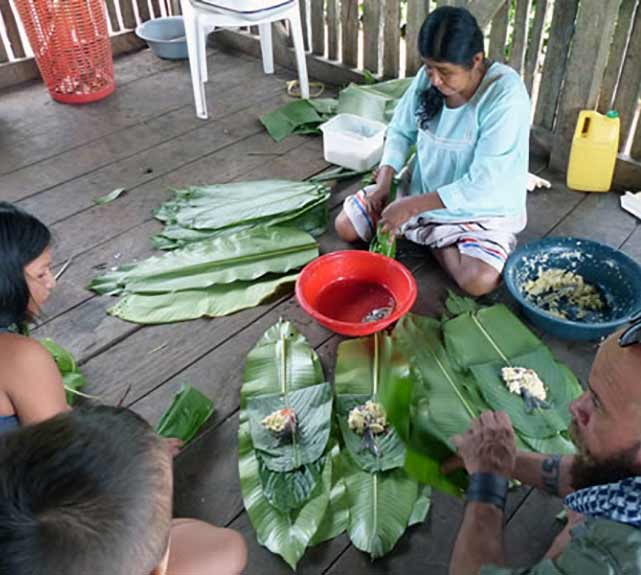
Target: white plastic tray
{"points": [[353, 142]]}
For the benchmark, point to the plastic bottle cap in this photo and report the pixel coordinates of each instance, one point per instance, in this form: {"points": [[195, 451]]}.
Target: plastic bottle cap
{"points": [[612, 114]]}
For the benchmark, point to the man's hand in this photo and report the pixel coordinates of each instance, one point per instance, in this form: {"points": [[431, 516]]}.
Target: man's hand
{"points": [[488, 446]]}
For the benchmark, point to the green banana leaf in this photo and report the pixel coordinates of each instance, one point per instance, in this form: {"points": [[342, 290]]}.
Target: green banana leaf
{"points": [[312, 218], [282, 360], [361, 367], [63, 358], [243, 256], [283, 121], [313, 408], [186, 305], [287, 534], [491, 338], [429, 402], [288, 491], [223, 205], [381, 506], [383, 243], [72, 380], [376, 101], [422, 505], [188, 412]]}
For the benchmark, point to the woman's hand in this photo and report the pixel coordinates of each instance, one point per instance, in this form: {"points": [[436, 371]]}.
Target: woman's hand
{"points": [[489, 445], [173, 445], [397, 213]]}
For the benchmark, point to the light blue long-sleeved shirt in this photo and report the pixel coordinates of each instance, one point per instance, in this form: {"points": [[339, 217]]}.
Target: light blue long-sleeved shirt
{"points": [[475, 156]]}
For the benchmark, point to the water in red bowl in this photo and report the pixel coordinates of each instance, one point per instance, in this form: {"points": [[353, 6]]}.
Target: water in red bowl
{"points": [[356, 292]]}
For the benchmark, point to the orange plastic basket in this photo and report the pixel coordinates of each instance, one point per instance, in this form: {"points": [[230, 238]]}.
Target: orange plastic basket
{"points": [[70, 40]]}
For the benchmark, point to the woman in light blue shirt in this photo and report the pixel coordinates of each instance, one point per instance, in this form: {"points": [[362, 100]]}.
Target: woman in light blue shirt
{"points": [[465, 190]]}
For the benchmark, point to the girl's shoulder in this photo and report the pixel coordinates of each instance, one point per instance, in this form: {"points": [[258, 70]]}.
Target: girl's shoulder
{"points": [[20, 351]]}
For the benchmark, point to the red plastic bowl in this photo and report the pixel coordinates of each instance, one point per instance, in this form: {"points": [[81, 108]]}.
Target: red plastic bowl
{"points": [[355, 266]]}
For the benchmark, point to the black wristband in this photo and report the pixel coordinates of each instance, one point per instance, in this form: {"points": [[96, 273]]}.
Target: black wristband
{"points": [[487, 488]]}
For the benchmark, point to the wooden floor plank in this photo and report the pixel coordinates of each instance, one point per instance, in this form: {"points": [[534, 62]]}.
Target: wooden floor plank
{"points": [[632, 246], [242, 90]]}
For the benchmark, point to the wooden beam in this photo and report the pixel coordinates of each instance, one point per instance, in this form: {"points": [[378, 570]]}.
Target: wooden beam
{"points": [[519, 35], [349, 32], [111, 14], [535, 44], [417, 12], [332, 29], [371, 34], [617, 54], [627, 95], [391, 38], [627, 173], [585, 67], [555, 62], [318, 27], [498, 33]]}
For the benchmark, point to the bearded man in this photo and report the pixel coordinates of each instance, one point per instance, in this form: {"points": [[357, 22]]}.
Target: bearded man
{"points": [[601, 485]]}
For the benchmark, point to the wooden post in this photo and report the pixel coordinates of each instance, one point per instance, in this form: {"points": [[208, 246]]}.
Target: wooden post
{"points": [[143, 10], [627, 96], [485, 10], [585, 67], [555, 62], [128, 15], [391, 38], [617, 54], [12, 30], [519, 37], [498, 34], [535, 44], [417, 12], [635, 151], [111, 14], [318, 27], [349, 32], [371, 34], [332, 30]]}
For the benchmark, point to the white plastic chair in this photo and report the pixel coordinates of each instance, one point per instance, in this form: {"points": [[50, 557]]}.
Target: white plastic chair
{"points": [[204, 16]]}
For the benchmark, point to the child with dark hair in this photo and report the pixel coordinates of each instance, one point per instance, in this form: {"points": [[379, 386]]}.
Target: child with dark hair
{"points": [[31, 388], [89, 492], [469, 119]]}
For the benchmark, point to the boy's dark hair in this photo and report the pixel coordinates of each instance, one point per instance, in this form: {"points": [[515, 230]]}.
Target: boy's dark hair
{"points": [[23, 238], [452, 35], [87, 492]]}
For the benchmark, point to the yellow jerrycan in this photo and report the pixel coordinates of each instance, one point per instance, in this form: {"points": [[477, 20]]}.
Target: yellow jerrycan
{"points": [[594, 151]]}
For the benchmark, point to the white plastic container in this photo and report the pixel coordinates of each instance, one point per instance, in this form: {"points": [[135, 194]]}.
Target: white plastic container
{"points": [[353, 142]]}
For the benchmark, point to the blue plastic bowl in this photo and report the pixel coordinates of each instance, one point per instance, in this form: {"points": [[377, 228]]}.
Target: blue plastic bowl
{"points": [[615, 274], [165, 36]]}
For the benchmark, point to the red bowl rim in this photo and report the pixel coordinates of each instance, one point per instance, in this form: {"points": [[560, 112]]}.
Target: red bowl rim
{"points": [[401, 308]]}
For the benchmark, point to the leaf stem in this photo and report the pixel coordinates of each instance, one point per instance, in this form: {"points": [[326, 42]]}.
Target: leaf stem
{"points": [[490, 339]]}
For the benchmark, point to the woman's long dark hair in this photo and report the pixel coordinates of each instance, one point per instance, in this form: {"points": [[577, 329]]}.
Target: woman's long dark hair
{"points": [[22, 239], [451, 35]]}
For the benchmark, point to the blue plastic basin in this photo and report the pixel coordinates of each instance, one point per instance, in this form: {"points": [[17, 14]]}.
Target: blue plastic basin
{"points": [[616, 275], [165, 36]]}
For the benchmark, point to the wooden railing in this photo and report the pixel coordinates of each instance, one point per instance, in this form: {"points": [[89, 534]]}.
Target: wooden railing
{"points": [[572, 54]]}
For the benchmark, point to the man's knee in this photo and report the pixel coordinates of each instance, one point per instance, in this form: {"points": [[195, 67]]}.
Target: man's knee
{"points": [[344, 228]]}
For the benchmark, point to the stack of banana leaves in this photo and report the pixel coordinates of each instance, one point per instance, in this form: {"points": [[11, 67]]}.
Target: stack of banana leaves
{"points": [[72, 379], [454, 374], [203, 212], [374, 101], [306, 475], [212, 277]]}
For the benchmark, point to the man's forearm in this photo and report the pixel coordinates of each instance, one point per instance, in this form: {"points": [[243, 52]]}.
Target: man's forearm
{"points": [[480, 539], [550, 473]]}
